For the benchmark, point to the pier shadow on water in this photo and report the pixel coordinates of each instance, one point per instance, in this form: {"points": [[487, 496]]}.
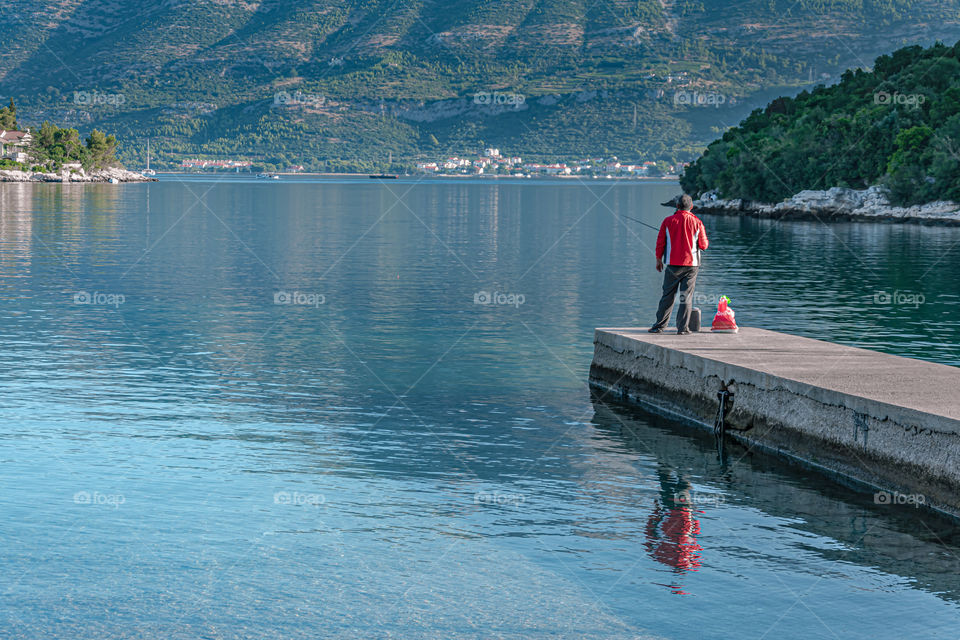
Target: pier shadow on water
{"points": [[914, 543]]}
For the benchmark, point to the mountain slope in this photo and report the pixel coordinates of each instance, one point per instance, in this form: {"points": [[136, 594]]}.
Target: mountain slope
{"points": [[424, 77]]}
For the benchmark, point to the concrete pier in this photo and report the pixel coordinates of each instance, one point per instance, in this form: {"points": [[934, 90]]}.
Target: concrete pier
{"points": [[888, 422]]}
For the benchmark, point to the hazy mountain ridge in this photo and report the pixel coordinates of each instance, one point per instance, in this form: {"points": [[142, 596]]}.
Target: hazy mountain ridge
{"points": [[235, 57]]}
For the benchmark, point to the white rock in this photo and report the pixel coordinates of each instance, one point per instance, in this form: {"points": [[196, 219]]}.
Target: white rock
{"points": [[863, 203], [99, 175]]}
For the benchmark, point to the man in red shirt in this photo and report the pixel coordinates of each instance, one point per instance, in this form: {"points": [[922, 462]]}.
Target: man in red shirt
{"points": [[687, 238]]}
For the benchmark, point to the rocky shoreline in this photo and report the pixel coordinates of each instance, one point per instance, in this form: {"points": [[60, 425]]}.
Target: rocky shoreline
{"points": [[836, 204], [99, 175]]}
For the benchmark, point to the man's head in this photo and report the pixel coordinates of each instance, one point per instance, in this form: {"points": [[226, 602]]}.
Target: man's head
{"points": [[686, 202]]}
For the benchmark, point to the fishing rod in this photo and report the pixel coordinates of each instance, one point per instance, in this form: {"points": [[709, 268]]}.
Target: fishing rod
{"points": [[649, 226]]}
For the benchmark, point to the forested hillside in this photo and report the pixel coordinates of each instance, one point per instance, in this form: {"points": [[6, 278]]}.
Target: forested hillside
{"points": [[341, 83], [898, 125]]}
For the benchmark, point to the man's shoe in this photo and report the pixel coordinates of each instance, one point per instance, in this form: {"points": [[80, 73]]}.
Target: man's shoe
{"points": [[654, 330], [683, 333]]}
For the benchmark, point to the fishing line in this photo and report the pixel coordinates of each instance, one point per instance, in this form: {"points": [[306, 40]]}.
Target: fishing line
{"points": [[649, 226]]}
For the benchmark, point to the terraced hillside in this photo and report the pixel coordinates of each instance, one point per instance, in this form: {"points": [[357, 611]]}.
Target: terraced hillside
{"points": [[339, 84]]}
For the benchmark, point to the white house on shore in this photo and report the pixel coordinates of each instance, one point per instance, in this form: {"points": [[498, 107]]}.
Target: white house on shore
{"points": [[13, 145]]}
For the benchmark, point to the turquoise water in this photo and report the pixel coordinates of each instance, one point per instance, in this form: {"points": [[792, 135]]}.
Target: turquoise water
{"points": [[240, 409]]}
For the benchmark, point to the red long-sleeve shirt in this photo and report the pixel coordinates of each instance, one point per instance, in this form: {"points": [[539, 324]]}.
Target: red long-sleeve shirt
{"points": [[687, 239]]}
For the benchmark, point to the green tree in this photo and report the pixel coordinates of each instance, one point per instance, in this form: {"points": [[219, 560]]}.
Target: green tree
{"points": [[54, 146], [100, 149], [8, 117]]}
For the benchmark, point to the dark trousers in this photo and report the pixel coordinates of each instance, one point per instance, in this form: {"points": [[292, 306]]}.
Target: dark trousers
{"points": [[682, 280]]}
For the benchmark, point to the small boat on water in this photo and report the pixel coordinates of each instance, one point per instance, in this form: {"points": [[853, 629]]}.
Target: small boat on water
{"points": [[148, 172], [268, 176], [385, 176]]}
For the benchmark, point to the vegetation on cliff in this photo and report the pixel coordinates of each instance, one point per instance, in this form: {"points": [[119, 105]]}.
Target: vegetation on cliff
{"points": [[897, 125]]}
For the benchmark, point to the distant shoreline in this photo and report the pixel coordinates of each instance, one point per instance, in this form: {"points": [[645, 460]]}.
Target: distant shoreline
{"points": [[668, 178], [69, 177], [124, 175]]}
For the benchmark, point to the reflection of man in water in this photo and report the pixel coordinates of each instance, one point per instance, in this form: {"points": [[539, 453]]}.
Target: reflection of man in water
{"points": [[671, 528]]}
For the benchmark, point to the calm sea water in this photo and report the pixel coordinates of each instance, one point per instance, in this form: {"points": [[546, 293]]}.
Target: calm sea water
{"points": [[242, 409]]}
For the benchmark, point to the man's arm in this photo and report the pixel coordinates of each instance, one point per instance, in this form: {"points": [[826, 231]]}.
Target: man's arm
{"points": [[703, 243], [661, 250]]}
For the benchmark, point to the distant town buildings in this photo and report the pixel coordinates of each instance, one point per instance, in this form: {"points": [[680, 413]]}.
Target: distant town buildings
{"points": [[492, 161], [196, 163], [548, 169]]}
